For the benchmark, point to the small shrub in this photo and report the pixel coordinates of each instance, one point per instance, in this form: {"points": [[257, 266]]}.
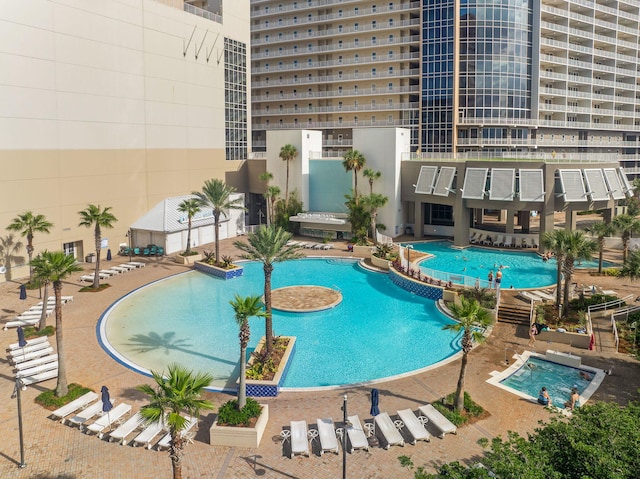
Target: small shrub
{"points": [[226, 262], [583, 302], [383, 250], [472, 409], [31, 332], [405, 461], [230, 415], [209, 257], [49, 401], [615, 272]]}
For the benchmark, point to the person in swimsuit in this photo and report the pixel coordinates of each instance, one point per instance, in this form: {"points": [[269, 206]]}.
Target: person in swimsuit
{"points": [[490, 279], [532, 335], [574, 400], [499, 277], [543, 397]]}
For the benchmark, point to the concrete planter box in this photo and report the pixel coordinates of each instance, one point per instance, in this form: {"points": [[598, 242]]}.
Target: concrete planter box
{"points": [[380, 262], [574, 339], [362, 251], [219, 272], [188, 259], [245, 437], [258, 388]]}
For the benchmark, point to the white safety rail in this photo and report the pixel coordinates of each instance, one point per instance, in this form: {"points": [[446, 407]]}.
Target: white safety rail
{"points": [[614, 328], [384, 239], [623, 314], [614, 304], [454, 278]]}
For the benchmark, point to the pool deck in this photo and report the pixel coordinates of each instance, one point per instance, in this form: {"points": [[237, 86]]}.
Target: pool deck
{"points": [[55, 450]]}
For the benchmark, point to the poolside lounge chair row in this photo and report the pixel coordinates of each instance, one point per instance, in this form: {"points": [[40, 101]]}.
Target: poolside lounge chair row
{"points": [[32, 316], [504, 240], [392, 432], [34, 362], [149, 250], [86, 413], [310, 245], [113, 271], [537, 295]]}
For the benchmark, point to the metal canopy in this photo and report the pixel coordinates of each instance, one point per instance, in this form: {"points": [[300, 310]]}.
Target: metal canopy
{"points": [[531, 185], [444, 181], [572, 185], [616, 190], [596, 186], [426, 179], [503, 184], [625, 183], [475, 180]]}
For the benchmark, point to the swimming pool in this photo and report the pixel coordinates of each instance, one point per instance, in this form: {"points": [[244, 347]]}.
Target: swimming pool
{"points": [[377, 331], [521, 269], [532, 371]]}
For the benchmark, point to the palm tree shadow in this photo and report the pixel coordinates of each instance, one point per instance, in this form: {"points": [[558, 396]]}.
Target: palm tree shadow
{"points": [[8, 254], [168, 341]]}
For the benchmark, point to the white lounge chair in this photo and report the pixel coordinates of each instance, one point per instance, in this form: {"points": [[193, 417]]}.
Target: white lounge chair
{"points": [[529, 296], [86, 414], [37, 378], [148, 434], [30, 342], [185, 433], [41, 368], [438, 420], [414, 425], [108, 272], [488, 241], [389, 430], [525, 242], [327, 433], [119, 269], [36, 362], [137, 264], [299, 438], [107, 419], [74, 405], [508, 241], [499, 240], [121, 432], [127, 266], [534, 242], [473, 236], [356, 434], [479, 239], [21, 358], [544, 296], [29, 348], [21, 322]]}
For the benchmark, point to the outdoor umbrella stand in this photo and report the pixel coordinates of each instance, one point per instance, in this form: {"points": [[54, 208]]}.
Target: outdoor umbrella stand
{"points": [[375, 410], [106, 402]]}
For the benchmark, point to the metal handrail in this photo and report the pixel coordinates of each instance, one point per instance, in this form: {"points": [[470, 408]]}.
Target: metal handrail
{"points": [[609, 304]]}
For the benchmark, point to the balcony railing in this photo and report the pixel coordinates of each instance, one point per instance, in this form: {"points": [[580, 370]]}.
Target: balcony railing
{"points": [[384, 75], [406, 122], [381, 60], [337, 109], [336, 93]]}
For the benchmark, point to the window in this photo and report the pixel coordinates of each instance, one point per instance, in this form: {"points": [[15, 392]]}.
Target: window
{"points": [[390, 119], [390, 70], [373, 103], [295, 49], [356, 10], [390, 54], [390, 86], [295, 92], [266, 52], [339, 28], [340, 90], [390, 38], [340, 59], [266, 38], [391, 22], [373, 56], [309, 47], [339, 43], [340, 119], [373, 119], [374, 40], [339, 105], [266, 66], [309, 32], [373, 87], [310, 92], [281, 94], [374, 24], [295, 20], [356, 58], [390, 5], [340, 13], [373, 72], [279, 21], [295, 107], [356, 42], [356, 27], [309, 62], [340, 74], [374, 8], [355, 119], [295, 34], [295, 63], [295, 5]]}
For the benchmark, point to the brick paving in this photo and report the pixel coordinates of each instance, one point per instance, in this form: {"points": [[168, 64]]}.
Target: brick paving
{"points": [[55, 450]]}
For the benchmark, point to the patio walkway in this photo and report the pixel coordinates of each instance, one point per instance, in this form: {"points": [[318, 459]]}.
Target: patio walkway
{"points": [[54, 450]]}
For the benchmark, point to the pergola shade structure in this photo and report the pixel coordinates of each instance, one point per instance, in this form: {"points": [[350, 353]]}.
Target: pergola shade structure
{"points": [[572, 185], [503, 183], [426, 180], [616, 189], [475, 180], [596, 186], [444, 181], [531, 185], [628, 191]]}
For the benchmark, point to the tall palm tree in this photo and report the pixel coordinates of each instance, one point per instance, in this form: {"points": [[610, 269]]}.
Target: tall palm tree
{"points": [[600, 230], [98, 218], [470, 317], [374, 202], [177, 394], [288, 153], [216, 194], [268, 245], [56, 266], [42, 272], [190, 206], [9, 248], [272, 197], [554, 241], [371, 175], [577, 247], [626, 225], [354, 161], [27, 224], [631, 267], [244, 308], [635, 185], [266, 177]]}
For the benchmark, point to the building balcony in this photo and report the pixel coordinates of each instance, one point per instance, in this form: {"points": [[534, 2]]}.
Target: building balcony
{"points": [[320, 125], [338, 109], [336, 94], [607, 125], [380, 60], [336, 47], [314, 5], [383, 76]]}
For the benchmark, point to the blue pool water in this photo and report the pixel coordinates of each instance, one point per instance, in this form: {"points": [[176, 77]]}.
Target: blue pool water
{"points": [[521, 269], [557, 378], [378, 331]]}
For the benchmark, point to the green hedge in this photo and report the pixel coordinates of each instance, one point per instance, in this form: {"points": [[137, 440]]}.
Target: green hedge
{"points": [[230, 415]]}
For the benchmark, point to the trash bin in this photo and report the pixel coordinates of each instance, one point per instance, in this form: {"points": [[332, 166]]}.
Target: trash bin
{"points": [[408, 230], [90, 258]]}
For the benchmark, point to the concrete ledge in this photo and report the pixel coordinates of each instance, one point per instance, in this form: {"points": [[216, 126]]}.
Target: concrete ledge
{"points": [[187, 259], [223, 273], [237, 436], [573, 339], [258, 388]]}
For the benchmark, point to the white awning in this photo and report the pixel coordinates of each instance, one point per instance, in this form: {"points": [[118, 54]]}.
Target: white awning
{"points": [[444, 181], [426, 180], [531, 185], [625, 182], [616, 190], [596, 187], [503, 184], [475, 180], [572, 185]]}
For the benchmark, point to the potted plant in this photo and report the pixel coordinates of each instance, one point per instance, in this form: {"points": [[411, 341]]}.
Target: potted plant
{"points": [[239, 427]]}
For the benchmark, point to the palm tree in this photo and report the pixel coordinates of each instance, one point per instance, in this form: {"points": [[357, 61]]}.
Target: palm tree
{"points": [[56, 266], [266, 177], [287, 153], [244, 308], [354, 161], [631, 267], [190, 206], [98, 218], [374, 202], [600, 230], [635, 185], [371, 175], [177, 394], [577, 247], [216, 195], [554, 241], [27, 224], [272, 197], [626, 225], [8, 252], [42, 273], [470, 317], [268, 245]]}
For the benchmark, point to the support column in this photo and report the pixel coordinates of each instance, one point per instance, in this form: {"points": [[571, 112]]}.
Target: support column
{"points": [[607, 215], [525, 221], [547, 219], [500, 215], [461, 219], [510, 222], [570, 220], [418, 220]]}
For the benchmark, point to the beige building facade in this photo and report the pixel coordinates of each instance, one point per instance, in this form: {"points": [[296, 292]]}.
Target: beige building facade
{"points": [[119, 103]]}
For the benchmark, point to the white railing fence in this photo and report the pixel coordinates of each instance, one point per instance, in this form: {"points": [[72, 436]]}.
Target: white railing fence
{"points": [[614, 304]]}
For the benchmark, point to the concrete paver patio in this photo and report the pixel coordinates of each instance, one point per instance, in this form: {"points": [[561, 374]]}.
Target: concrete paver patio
{"points": [[55, 450]]}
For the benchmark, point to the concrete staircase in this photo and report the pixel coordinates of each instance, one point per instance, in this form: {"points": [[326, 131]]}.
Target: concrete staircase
{"points": [[509, 313]]}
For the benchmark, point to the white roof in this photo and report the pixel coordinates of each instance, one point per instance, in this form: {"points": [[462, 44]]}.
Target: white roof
{"points": [[165, 217]]}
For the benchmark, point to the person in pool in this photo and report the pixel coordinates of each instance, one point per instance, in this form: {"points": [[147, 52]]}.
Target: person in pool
{"points": [[585, 375], [490, 279], [543, 397], [574, 400], [498, 277]]}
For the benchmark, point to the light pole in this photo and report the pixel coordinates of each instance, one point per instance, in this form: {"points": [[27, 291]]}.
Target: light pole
{"points": [[20, 386], [129, 236], [344, 437], [409, 248]]}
